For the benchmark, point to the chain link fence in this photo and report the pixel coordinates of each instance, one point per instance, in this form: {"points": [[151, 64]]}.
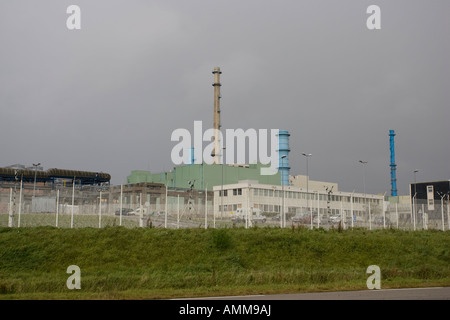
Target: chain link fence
{"points": [[79, 206], [144, 205], [420, 215]]}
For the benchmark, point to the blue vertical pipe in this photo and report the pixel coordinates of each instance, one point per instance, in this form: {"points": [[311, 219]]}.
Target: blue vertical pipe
{"points": [[283, 150], [393, 165]]}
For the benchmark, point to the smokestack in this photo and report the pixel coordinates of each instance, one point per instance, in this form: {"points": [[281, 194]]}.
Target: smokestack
{"points": [[216, 123], [283, 151], [393, 165]]}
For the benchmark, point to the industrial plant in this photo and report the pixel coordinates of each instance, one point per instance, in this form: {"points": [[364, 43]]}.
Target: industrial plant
{"points": [[218, 194]]}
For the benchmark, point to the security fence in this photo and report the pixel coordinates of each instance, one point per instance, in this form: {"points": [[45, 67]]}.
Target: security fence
{"points": [[420, 214], [151, 205], [75, 206]]}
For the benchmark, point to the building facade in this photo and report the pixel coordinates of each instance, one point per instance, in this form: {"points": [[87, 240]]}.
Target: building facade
{"points": [[204, 176], [269, 199]]}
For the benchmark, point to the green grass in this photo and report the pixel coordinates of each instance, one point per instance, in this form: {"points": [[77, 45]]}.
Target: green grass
{"points": [[152, 263]]}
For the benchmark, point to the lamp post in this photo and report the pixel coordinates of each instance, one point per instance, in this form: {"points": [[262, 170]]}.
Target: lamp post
{"points": [[307, 155], [364, 176], [351, 207], [33, 204], [35, 165]]}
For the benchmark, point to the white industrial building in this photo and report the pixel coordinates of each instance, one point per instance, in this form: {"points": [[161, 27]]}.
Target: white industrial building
{"points": [[322, 197]]}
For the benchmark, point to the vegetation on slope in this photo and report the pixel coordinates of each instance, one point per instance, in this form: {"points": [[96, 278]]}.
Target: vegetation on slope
{"points": [[149, 263]]}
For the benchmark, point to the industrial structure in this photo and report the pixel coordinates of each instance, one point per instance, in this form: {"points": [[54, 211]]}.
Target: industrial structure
{"points": [[431, 190], [28, 175], [244, 186], [216, 118], [283, 154], [205, 176], [209, 175], [197, 190], [393, 165], [269, 199], [427, 202]]}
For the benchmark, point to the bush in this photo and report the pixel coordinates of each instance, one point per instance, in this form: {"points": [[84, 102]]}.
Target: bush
{"points": [[221, 239]]}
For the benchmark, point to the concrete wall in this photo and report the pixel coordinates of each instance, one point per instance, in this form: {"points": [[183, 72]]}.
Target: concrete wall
{"points": [[300, 181]]}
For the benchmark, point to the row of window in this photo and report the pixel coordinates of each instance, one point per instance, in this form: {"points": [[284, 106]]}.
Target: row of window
{"points": [[299, 195], [236, 192], [311, 196], [277, 209]]}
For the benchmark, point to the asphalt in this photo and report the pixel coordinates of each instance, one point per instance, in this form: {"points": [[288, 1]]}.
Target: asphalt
{"points": [[428, 293]]}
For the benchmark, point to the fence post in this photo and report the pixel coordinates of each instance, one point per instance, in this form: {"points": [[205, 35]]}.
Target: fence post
{"points": [[73, 201], [351, 209], [141, 214], [20, 203], [206, 208], [10, 218], [120, 212], [57, 206], [448, 211], [396, 212], [318, 210], [166, 212], [100, 212], [424, 223]]}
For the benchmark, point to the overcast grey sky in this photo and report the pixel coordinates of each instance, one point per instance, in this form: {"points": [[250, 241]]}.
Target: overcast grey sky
{"points": [[107, 97]]}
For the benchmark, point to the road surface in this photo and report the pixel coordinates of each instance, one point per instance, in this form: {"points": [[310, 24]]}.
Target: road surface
{"points": [[433, 293]]}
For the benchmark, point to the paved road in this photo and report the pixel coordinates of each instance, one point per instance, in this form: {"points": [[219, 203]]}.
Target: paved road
{"points": [[435, 293]]}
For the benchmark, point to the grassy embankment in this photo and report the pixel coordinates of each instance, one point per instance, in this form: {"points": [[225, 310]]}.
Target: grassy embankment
{"points": [[151, 263]]}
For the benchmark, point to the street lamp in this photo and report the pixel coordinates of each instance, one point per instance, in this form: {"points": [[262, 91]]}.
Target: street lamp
{"points": [[307, 155], [364, 177], [282, 217]]}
